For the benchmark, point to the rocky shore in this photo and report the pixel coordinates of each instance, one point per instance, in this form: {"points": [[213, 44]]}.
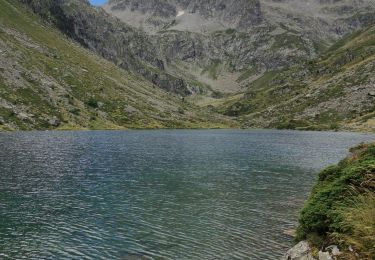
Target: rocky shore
{"points": [[303, 251]]}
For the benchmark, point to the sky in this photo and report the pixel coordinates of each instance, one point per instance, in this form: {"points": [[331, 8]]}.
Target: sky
{"points": [[98, 2]]}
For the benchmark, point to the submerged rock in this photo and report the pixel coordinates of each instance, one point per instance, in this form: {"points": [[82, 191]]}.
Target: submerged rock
{"points": [[301, 251]]}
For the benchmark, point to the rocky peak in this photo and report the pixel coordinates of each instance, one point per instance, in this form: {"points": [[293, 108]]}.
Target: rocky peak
{"points": [[155, 7], [239, 14]]}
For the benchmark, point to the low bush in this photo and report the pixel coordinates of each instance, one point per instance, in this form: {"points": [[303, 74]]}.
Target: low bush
{"points": [[341, 207]]}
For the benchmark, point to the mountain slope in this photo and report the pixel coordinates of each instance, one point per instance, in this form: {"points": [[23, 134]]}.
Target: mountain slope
{"points": [[47, 81], [229, 44], [336, 90], [123, 45], [267, 66]]}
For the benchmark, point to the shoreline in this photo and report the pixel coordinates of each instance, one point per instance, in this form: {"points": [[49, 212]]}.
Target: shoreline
{"points": [[182, 128]]}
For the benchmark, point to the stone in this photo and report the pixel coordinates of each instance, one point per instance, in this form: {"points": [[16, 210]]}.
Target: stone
{"points": [[335, 251], [371, 93], [100, 104], [23, 116], [324, 256], [130, 110], [301, 251], [55, 122]]}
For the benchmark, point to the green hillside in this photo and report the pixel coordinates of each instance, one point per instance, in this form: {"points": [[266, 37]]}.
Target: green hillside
{"points": [[335, 91], [47, 81]]}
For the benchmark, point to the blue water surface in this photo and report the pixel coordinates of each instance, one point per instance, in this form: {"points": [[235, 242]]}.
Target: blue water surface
{"points": [[168, 194]]}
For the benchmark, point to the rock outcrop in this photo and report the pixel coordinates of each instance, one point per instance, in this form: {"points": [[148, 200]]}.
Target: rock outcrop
{"points": [[301, 251], [241, 14]]}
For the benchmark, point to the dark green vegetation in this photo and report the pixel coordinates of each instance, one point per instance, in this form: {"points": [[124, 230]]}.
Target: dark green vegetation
{"points": [[334, 91], [341, 208], [47, 81]]}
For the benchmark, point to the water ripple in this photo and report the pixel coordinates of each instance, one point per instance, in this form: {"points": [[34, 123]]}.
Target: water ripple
{"points": [[157, 194]]}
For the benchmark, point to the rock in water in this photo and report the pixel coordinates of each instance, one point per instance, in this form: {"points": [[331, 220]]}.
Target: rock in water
{"points": [[301, 251]]}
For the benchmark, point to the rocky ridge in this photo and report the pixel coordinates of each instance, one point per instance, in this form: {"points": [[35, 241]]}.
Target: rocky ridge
{"points": [[214, 40]]}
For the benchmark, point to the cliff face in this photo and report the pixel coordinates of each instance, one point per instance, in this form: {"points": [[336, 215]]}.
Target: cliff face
{"points": [[335, 17], [240, 14], [128, 48]]}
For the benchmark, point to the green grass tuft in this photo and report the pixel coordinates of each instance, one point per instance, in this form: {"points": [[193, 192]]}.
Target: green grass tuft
{"points": [[341, 208]]}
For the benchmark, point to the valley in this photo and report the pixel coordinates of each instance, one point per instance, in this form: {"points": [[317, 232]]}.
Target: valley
{"points": [[181, 64], [215, 80]]}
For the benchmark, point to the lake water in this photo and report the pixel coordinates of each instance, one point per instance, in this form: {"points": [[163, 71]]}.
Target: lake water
{"points": [[169, 194]]}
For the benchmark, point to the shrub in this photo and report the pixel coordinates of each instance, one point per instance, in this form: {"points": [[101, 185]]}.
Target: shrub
{"points": [[334, 126], [75, 111], [329, 215], [92, 102], [181, 111]]}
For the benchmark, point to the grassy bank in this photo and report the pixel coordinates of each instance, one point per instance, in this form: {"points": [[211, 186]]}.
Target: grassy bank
{"points": [[341, 207]]}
